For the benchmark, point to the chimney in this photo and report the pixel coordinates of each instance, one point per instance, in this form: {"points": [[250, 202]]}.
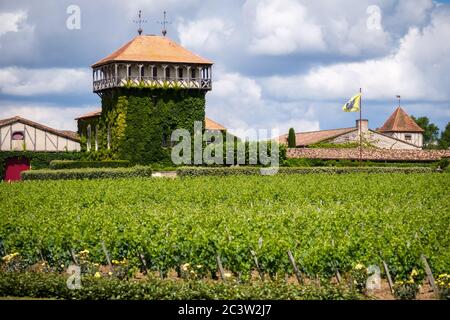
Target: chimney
{"points": [[364, 125]]}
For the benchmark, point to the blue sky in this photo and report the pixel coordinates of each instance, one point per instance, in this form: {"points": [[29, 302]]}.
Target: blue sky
{"points": [[278, 63]]}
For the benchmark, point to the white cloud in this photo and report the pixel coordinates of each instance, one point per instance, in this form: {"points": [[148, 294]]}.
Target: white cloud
{"points": [[238, 103], [210, 34], [282, 27], [29, 82], [10, 21], [419, 69], [54, 116]]}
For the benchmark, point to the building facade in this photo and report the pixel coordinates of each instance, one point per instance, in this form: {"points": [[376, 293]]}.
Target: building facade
{"points": [[148, 88], [19, 134], [399, 132]]}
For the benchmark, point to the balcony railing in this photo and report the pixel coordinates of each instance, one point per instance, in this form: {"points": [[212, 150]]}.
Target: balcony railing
{"points": [[152, 82]]}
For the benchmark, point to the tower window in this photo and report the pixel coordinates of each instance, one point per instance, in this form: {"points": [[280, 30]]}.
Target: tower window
{"points": [[18, 135]]}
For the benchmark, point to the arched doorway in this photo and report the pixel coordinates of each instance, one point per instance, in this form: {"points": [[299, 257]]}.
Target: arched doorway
{"points": [[14, 166]]}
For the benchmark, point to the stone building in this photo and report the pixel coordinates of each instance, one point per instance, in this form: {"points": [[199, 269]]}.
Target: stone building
{"points": [[399, 132]]}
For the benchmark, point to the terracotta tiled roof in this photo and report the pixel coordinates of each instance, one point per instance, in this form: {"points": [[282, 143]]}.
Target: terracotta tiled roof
{"points": [[151, 48], [400, 121], [303, 139], [62, 133], [209, 124], [212, 125], [91, 114]]}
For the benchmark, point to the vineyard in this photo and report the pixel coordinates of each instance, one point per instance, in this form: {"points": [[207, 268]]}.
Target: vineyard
{"points": [[328, 222]]}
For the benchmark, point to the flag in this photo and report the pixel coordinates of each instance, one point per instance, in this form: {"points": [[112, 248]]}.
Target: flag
{"points": [[353, 104]]}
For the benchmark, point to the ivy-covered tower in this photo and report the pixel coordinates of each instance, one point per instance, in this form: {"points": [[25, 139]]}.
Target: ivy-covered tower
{"points": [[148, 87]]}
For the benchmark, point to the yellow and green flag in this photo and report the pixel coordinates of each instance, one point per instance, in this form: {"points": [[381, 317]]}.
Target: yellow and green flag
{"points": [[353, 104]]}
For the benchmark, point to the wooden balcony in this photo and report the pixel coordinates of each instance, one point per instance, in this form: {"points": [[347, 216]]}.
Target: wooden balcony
{"points": [[152, 82]]}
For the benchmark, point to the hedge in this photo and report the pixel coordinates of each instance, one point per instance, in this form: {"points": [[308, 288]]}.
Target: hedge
{"points": [[38, 160], [51, 285], [87, 173], [226, 171], [69, 164], [308, 162]]}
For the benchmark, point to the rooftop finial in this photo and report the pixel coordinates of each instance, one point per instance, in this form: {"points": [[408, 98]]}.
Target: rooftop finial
{"points": [[140, 21], [398, 97], [163, 23]]}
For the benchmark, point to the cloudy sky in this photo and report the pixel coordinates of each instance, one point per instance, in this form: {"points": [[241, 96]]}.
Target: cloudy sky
{"points": [[278, 63]]}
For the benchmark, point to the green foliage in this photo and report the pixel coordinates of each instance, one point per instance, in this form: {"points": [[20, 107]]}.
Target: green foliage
{"points": [[70, 164], [292, 138], [306, 162], [141, 118], [325, 220], [443, 283], [87, 173], [47, 285], [38, 160], [227, 171], [430, 135], [444, 142]]}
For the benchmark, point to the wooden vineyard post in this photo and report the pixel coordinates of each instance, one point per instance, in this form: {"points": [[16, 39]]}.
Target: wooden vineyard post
{"points": [[388, 275], [74, 257], [255, 259], [144, 263], [106, 253], [430, 276], [221, 271], [338, 275], [294, 265]]}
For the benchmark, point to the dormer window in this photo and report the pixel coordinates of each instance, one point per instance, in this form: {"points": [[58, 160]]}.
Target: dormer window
{"points": [[18, 135]]}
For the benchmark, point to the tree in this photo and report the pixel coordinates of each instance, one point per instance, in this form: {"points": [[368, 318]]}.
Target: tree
{"points": [[291, 138], [444, 142], [431, 131]]}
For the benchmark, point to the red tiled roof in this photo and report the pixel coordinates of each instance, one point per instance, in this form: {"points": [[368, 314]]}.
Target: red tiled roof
{"points": [[212, 125], [400, 121], [303, 139], [91, 114], [209, 124], [62, 133], [151, 48]]}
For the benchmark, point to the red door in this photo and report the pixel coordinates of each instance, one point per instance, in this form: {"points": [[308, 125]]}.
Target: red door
{"points": [[14, 166]]}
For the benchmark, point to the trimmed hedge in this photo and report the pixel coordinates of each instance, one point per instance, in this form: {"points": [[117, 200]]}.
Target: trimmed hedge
{"points": [[68, 164], [226, 171], [38, 160], [49, 285], [308, 162], [87, 173]]}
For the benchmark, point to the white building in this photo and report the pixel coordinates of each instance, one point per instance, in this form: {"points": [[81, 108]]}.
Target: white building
{"points": [[19, 134], [399, 132]]}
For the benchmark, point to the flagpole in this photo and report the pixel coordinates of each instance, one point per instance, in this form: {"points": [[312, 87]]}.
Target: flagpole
{"points": [[360, 128]]}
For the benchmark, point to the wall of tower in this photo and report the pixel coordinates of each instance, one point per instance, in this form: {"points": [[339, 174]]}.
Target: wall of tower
{"points": [[136, 124]]}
